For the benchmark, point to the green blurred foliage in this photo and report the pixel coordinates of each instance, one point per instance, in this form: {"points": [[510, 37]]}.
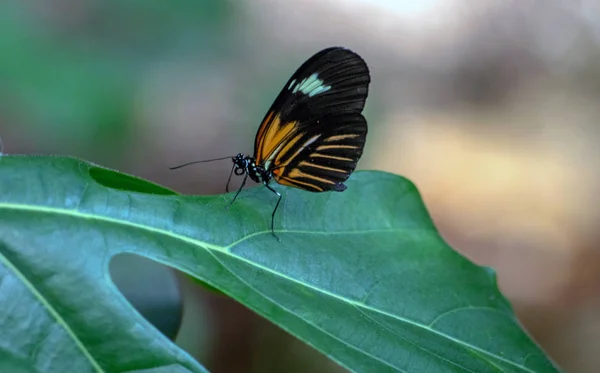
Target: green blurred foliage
{"points": [[69, 69]]}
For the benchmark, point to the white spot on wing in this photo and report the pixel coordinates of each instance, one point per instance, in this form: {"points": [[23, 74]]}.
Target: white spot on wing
{"points": [[310, 141], [270, 159], [311, 86], [292, 83], [320, 89]]}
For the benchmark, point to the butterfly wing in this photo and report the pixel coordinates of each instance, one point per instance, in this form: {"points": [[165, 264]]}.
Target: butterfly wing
{"points": [[333, 80], [323, 156]]}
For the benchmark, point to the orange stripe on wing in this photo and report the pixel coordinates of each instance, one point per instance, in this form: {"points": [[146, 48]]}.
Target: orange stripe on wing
{"points": [[288, 146], [281, 158], [319, 155], [296, 173], [298, 184], [260, 136], [273, 137], [326, 147], [341, 137], [308, 164]]}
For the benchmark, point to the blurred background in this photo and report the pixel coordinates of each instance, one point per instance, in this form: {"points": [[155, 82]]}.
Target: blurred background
{"points": [[490, 107]]}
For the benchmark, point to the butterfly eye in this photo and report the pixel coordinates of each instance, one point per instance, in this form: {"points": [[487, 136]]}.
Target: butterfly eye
{"points": [[239, 171]]}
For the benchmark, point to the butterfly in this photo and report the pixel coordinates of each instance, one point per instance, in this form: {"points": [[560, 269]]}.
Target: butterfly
{"points": [[313, 135]]}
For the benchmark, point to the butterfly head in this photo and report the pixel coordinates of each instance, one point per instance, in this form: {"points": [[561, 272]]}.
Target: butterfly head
{"points": [[244, 164], [240, 162]]}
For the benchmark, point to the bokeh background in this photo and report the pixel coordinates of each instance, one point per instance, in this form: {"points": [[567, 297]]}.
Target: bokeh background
{"points": [[490, 107]]}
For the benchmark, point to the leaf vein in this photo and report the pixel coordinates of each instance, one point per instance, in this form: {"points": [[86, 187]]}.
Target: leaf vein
{"points": [[52, 312], [305, 320], [409, 341]]}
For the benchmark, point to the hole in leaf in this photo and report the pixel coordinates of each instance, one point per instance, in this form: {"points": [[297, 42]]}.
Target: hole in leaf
{"points": [[117, 180], [151, 288]]}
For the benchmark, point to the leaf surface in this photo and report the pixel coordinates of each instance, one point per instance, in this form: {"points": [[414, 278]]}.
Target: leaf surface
{"points": [[363, 275]]}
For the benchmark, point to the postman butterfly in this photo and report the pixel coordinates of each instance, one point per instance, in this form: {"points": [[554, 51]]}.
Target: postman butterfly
{"points": [[314, 133]]}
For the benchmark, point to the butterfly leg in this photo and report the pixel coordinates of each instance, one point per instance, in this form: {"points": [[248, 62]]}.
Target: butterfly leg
{"points": [[228, 180], [238, 192], [274, 210]]}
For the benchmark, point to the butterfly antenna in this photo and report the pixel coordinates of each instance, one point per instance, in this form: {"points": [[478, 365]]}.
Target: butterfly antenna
{"points": [[194, 162]]}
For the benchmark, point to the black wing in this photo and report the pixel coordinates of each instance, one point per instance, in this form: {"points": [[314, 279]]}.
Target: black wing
{"points": [[324, 155], [334, 80]]}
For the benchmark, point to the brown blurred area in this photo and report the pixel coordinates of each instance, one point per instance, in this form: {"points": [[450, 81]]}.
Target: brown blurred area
{"points": [[491, 108]]}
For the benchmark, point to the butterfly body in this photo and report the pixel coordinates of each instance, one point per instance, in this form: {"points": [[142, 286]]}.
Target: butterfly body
{"points": [[244, 164]]}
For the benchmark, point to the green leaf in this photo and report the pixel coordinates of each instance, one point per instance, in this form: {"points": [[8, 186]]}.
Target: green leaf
{"points": [[362, 275]]}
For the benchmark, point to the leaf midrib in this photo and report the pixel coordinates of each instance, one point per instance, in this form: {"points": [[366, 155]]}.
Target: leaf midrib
{"points": [[225, 250]]}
